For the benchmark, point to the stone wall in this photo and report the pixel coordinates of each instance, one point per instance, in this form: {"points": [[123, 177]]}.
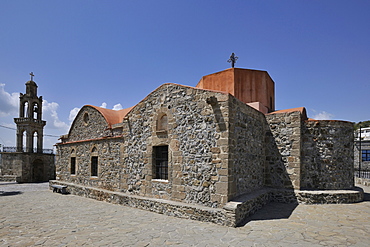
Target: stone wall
{"points": [[89, 136], [247, 148], [11, 164], [9, 178], [219, 150], [28, 167], [327, 158], [234, 213], [308, 154], [109, 167], [196, 134], [88, 124], [43, 164], [283, 150], [166, 207]]}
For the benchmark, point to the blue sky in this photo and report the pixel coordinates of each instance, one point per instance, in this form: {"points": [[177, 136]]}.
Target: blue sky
{"points": [[114, 53]]}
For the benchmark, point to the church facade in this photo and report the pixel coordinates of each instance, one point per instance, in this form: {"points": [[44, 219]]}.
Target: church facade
{"points": [[28, 161], [215, 152]]}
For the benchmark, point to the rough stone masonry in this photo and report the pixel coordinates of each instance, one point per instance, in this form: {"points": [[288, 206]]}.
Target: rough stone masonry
{"points": [[206, 154]]}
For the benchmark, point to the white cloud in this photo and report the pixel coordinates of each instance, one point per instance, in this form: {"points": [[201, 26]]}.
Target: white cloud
{"points": [[9, 109], [117, 107], [73, 114], [9, 106], [51, 116], [8, 102], [323, 116], [7, 132]]}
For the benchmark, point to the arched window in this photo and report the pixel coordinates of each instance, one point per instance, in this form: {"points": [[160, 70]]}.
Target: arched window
{"points": [[73, 162], [34, 142], [94, 162], [162, 122], [25, 109], [86, 118], [24, 140], [35, 111]]}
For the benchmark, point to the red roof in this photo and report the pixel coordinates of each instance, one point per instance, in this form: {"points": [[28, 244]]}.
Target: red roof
{"points": [[112, 116], [302, 110]]}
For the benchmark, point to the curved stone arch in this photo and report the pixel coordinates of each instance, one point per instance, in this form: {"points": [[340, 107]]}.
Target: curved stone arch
{"points": [[73, 162], [86, 118], [94, 150], [36, 110], [22, 135], [95, 122], [80, 113], [160, 141], [24, 108], [94, 164], [81, 122], [162, 122], [35, 139]]}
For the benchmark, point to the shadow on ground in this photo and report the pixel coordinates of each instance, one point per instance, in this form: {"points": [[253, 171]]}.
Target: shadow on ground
{"points": [[272, 211], [366, 197], [10, 193]]}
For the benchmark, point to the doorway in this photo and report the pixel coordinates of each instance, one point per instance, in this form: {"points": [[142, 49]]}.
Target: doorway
{"points": [[38, 171]]}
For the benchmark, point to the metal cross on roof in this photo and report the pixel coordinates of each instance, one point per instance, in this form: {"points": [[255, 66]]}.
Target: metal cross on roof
{"points": [[32, 75], [232, 59]]}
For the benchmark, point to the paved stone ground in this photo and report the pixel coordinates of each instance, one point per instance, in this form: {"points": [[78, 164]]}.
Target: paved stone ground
{"points": [[32, 215]]}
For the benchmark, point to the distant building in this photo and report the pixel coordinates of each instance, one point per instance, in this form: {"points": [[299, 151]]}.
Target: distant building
{"points": [[28, 161], [362, 149], [215, 152], [364, 134]]}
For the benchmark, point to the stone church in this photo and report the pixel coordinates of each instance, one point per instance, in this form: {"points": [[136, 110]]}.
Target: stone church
{"points": [[216, 152], [28, 161]]}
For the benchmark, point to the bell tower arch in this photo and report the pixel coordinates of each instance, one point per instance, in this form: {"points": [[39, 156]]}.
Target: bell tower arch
{"points": [[30, 120]]}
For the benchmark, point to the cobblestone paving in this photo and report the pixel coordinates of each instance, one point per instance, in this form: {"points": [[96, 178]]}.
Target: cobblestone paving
{"points": [[32, 215]]}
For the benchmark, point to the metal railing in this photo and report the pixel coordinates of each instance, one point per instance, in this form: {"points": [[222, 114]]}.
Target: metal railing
{"points": [[362, 174], [24, 150]]}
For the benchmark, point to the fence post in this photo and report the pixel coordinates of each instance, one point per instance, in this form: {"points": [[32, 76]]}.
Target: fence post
{"points": [[359, 154]]}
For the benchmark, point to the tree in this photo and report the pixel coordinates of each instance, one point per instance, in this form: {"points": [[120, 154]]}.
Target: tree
{"points": [[363, 124]]}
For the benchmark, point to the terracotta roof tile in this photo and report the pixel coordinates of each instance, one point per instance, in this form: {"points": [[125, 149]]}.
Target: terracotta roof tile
{"points": [[302, 110], [112, 116]]}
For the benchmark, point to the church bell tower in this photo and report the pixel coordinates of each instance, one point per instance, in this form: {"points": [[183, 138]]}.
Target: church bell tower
{"points": [[30, 120]]}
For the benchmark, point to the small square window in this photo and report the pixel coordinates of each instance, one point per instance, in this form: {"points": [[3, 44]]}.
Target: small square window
{"points": [[365, 155]]}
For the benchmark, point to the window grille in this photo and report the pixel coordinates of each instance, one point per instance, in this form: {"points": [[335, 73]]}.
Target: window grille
{"points": [[160, 162], [73, 165], [365, 155], [94, 166]]}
